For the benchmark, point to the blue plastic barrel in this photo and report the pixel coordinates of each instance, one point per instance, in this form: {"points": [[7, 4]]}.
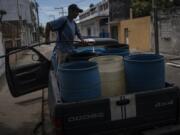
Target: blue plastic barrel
{"points": [[97, 50], [120, 46], [116, 51], [144, 72], [82, 56], [79, 81]]}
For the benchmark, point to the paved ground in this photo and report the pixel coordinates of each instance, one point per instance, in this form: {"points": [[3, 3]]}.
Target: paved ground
{"points": [[173, 73], [19, 116]]}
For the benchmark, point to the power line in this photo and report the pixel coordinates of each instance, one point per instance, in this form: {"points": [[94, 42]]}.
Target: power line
{"points": [[79, 2], [62, 12]]}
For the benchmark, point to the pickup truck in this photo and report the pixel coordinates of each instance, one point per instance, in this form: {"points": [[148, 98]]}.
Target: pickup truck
{"points": [[130, 113]]}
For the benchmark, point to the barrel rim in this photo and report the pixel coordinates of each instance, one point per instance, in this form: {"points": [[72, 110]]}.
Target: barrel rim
{"points": [[99, 59], [127, 58]]}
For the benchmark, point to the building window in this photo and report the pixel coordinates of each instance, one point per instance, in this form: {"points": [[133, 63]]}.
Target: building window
{"points": [[114, 32], [89, 31], [105, 5], [18, 43], [8, 44], [126, 35]]}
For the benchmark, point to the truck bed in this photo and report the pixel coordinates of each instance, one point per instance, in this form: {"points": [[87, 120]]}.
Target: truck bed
{"points": [[125, 113]]}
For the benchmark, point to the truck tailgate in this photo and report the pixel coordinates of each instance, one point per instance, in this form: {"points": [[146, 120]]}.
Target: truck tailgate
{"points": [[127, 112]]}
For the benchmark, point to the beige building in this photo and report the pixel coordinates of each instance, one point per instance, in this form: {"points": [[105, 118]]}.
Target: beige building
{"points": [[137, 33]]}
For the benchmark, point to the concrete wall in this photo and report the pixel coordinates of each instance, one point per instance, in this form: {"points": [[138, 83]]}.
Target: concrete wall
{"points": [[139, 33], [2, 64], [169, 33]]}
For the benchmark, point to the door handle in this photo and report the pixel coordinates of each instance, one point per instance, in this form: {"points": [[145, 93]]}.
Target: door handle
{"points": [[123, 102]]}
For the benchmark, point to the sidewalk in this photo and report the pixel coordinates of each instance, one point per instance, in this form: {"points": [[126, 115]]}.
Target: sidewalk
{"points": [[19, 116], [169, 57]]}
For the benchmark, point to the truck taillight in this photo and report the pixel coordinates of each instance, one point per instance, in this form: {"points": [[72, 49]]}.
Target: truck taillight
{"points": [[58, 125]]}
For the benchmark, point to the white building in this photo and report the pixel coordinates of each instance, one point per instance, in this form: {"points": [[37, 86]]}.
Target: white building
{"points": [[16, 9], [94, 21], [20, 22]]}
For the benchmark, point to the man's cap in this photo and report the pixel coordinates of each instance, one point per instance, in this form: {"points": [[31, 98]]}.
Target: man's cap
{"points": [[75, 8]]}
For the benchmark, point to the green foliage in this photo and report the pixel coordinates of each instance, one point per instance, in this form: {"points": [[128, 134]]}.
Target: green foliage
{"points": [[141, 8], [164, 4], [144, 7]]}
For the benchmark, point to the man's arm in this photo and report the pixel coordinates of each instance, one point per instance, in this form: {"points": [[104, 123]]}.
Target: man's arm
{"points": [[54, 25]]}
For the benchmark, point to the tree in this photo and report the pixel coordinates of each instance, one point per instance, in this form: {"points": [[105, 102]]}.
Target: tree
{"points": [[141, 8], [91, 5], [144, 7]]}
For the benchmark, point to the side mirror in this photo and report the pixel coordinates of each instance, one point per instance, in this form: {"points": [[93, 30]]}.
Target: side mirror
{"points": [[36, 57]]}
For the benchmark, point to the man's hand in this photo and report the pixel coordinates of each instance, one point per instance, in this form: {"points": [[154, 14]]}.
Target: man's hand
{"points": [[83, 42], [89, 41]]}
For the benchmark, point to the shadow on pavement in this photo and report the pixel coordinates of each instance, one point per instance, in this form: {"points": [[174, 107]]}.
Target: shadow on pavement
{"points": [[25, 129], [5, 130]]}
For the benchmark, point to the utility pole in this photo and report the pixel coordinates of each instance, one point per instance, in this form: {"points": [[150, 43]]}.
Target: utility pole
{"points": [[61, 12], [52, 16], [19, 25], [19, 17], [156, 28], [37, 11]]}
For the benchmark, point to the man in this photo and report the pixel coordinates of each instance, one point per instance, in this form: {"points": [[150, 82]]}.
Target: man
{"points": [[66, 29]]}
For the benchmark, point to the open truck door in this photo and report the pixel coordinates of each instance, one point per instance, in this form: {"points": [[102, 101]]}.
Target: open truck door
{"points": [[27, 74]]}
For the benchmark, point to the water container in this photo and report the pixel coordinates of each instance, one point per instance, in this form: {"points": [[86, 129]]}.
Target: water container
{"points": [[79, 81], [97, 50], [111, 70], [144, 72], [117, 51], [83, 56], [121, 49], [119, 46]]}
